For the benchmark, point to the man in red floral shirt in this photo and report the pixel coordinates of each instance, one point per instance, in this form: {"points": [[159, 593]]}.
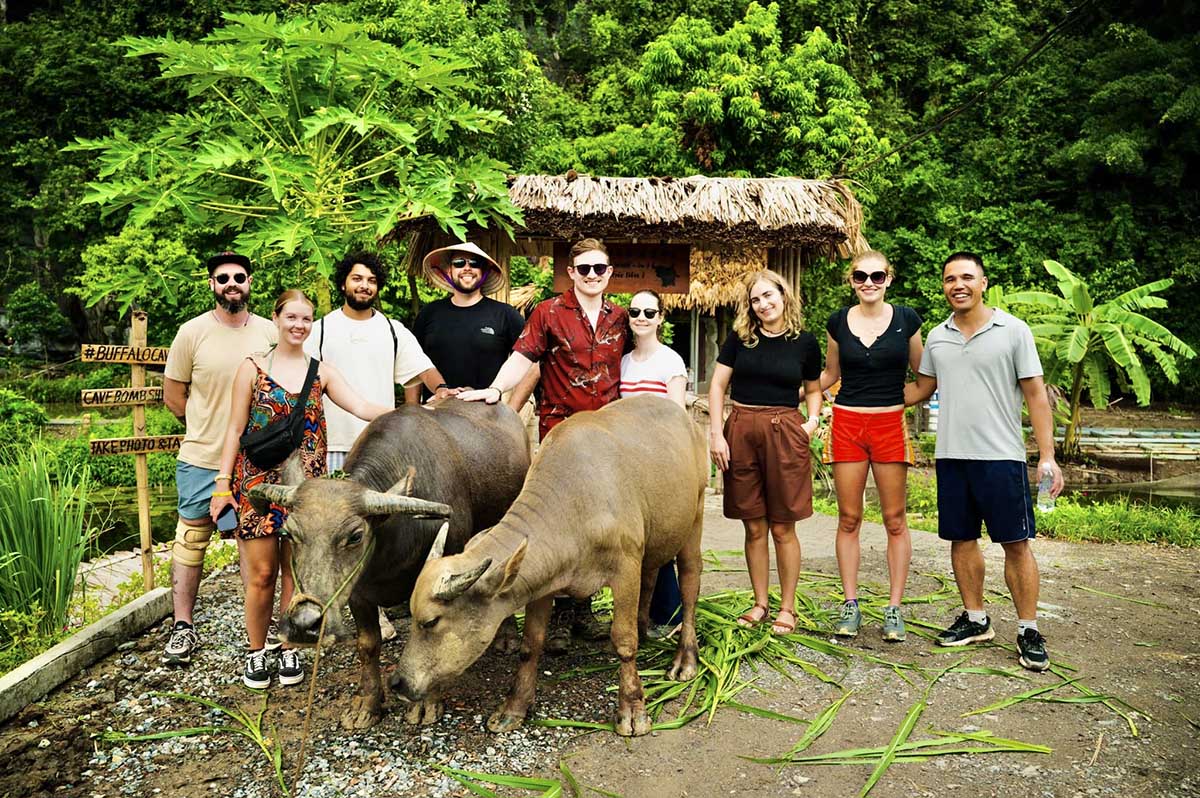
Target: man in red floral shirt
{"points": [[578, 338]]}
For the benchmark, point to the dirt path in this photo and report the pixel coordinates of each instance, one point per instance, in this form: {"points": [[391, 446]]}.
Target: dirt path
{"points": [[1146, 654]]}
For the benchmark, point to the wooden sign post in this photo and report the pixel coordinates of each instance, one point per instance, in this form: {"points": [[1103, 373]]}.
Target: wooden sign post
{"points": [[138, 395]]}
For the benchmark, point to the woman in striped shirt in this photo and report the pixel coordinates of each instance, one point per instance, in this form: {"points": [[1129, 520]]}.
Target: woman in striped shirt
{"points": [[655, 369]]}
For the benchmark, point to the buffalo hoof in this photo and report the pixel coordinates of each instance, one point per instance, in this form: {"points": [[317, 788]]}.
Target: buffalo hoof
{"points": [[423, 713], [632, 721], [508, 639], [363, 713], [503, 721], [684, 668]]}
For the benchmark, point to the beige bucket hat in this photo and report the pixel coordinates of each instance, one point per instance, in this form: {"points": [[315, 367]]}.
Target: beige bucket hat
{"points": [[437, 262]]}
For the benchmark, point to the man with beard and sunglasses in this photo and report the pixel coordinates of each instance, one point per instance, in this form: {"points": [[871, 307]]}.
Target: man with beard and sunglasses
{"points": [[468, 335], [578, 339], [201, 364]]}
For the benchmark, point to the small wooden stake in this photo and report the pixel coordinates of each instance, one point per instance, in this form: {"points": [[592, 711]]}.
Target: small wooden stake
{"points": [[137, 338]]}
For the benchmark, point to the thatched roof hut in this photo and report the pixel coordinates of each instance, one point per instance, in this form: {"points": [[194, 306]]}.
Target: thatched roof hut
{"points": [[733, 226]]}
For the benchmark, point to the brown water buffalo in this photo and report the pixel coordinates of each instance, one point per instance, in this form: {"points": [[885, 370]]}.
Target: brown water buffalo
{"points": [[363, 538], [610, 497]]}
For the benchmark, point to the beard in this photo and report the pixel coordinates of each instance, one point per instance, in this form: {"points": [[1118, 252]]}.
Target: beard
{"points": [[357, 304], [233, 306]]}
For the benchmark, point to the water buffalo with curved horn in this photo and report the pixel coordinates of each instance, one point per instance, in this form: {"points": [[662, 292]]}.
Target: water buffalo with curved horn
{"points": [[611, 496], [363, 537]]}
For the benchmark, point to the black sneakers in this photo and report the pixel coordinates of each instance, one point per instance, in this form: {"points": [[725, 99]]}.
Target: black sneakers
{"points": [[1032, 648], [965, 631], [290, 670], [180, 646], [256, 675]]}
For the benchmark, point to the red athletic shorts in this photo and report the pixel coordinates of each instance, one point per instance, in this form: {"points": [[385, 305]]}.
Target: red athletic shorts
{"points": [[873, 437]]}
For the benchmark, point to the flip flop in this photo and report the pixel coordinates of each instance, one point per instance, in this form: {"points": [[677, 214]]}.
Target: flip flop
{"points": [[747, 619], [787, 627]]}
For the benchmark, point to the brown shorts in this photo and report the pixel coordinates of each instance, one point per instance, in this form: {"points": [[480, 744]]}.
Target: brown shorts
{"points": [[770, 470]]}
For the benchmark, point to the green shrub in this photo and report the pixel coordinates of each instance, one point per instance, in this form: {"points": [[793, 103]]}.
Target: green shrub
{"points": [[1120, 521], [43, 504], [17, 410], [33, 318]]}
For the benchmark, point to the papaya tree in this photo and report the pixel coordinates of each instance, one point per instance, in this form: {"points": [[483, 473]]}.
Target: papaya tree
{"points": [[304, 136], [1083, 343]]}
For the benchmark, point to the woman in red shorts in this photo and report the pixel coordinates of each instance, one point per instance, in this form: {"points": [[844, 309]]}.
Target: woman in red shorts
{"points": [[770, 364], [871, 347]]}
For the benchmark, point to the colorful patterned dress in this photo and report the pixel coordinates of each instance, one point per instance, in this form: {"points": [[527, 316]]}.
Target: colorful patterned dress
{"points": [[272, 401]]}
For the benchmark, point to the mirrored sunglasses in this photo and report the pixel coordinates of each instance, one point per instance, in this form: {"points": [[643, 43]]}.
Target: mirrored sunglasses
{"points": [[223, 278], [463, 263], [637, 312], [586, 268], [860, 277]]}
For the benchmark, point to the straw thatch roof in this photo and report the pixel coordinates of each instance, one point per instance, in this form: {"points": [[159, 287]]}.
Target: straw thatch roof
{"points": [[716, 277], [765, 212]]}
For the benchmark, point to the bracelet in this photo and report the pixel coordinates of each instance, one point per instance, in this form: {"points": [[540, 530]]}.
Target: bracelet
{"points": [[220, 493], [220, 477], [440, 386], [499, 392]]}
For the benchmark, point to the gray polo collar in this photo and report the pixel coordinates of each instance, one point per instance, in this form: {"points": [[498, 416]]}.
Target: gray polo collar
{"points": [[999, 319]]}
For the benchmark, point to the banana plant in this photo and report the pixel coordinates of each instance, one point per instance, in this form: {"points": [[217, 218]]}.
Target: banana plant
{"points": [[1085, 343]]}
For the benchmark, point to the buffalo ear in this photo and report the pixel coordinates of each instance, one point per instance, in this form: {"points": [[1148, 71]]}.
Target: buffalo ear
{"points": [[439, 543], [501, 579], [405, 486]]}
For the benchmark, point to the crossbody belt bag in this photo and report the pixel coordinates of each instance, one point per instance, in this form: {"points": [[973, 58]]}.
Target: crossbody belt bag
{"points": [[274, 443]]}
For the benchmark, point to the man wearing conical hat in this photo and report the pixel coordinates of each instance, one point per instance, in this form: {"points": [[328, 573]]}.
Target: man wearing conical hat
{"points": [[467, 335]]}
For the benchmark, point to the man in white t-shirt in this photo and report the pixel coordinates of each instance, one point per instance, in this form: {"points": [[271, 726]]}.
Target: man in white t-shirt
{"points": [[197, 384], [374, 353]]}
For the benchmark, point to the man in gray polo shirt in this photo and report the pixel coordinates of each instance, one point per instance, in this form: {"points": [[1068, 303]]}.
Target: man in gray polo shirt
{"points": [[984, 363]]}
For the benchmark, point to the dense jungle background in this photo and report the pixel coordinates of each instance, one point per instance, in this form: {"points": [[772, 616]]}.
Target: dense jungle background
{"points": [[1047, 130]]}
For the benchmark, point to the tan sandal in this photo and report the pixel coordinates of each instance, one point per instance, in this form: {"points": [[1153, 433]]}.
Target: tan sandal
{"points": [[748, 619], [787, 627]]}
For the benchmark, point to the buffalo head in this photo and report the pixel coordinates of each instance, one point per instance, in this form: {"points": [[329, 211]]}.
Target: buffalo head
{"points": [[457, 605], [330, 523]]}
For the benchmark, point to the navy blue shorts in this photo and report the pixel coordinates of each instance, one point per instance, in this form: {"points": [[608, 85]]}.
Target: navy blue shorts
{"points": [[976, 492]]}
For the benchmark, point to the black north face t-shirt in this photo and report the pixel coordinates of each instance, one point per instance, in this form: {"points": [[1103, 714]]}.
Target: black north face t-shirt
{"points": [[468, 345]]}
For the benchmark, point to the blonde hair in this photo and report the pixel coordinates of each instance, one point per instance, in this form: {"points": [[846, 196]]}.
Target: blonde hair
{"points": [[291, 295], [588, 245], [747, 324], [863, 257]]}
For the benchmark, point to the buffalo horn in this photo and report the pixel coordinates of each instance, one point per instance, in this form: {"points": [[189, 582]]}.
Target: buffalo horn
{"points": [[376, 503], [439, 543], [279, 494], [454, 585]]}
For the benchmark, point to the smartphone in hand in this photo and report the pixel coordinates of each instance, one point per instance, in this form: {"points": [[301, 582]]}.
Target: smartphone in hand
{"points": [[227, 521]]}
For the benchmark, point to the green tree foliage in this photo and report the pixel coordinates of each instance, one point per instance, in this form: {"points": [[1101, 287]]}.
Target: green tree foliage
{"points": [[305, 135], [736, 102], [1080, 341], [33, 318]]}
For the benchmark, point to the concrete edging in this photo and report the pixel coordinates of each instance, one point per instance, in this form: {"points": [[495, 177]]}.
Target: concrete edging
{"points": [[37, 677]]}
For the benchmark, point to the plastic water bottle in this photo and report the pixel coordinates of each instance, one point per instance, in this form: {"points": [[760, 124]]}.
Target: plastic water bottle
{"points": [[1045, 499]]}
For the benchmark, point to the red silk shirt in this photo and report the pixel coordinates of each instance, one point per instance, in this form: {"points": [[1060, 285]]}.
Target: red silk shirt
{"points": [[581, 369]]}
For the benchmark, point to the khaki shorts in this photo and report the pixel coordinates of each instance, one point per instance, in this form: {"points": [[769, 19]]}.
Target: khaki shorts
{"points": [[770, 469]]}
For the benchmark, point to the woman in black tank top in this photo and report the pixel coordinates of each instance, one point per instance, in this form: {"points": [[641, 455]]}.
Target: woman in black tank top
{"points": [[871, 347]]}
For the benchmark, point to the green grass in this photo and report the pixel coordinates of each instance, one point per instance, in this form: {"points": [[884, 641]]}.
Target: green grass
{"points": [[1116, 521]]}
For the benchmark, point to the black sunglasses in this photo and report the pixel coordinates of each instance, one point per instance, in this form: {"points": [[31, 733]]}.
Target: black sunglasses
{"points": [[586, 268], [224, 277], [462, 263], [636, 312], [860, 277]]}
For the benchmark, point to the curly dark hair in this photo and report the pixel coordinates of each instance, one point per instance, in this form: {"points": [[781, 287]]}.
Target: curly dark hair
{"points": [[368, 259]]}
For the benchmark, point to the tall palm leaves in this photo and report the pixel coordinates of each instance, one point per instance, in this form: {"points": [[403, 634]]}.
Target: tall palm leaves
{"points": [[1082, 343]]}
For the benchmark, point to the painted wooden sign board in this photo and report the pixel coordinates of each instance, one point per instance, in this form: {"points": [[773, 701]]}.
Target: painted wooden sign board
{"points": [[665, 268], [153, 443], [111, 353], [112, 397]]}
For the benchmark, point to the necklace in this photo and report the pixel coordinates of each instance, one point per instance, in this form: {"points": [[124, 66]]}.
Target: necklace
{"points": [[230, 326]]}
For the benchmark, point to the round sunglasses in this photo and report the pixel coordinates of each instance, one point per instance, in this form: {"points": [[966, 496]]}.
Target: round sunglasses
{"points": [[635, 313], [225, 277], [860, 277]]}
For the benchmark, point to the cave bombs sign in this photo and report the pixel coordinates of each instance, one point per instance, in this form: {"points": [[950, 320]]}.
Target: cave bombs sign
{"points": [[664, 268]]}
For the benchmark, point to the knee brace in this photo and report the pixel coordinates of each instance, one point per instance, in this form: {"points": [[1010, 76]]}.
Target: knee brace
{"points": [[190, 543]]}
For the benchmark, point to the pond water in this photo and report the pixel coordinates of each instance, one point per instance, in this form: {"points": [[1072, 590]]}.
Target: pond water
{"points": [[114, 510], [1138, 494]]}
